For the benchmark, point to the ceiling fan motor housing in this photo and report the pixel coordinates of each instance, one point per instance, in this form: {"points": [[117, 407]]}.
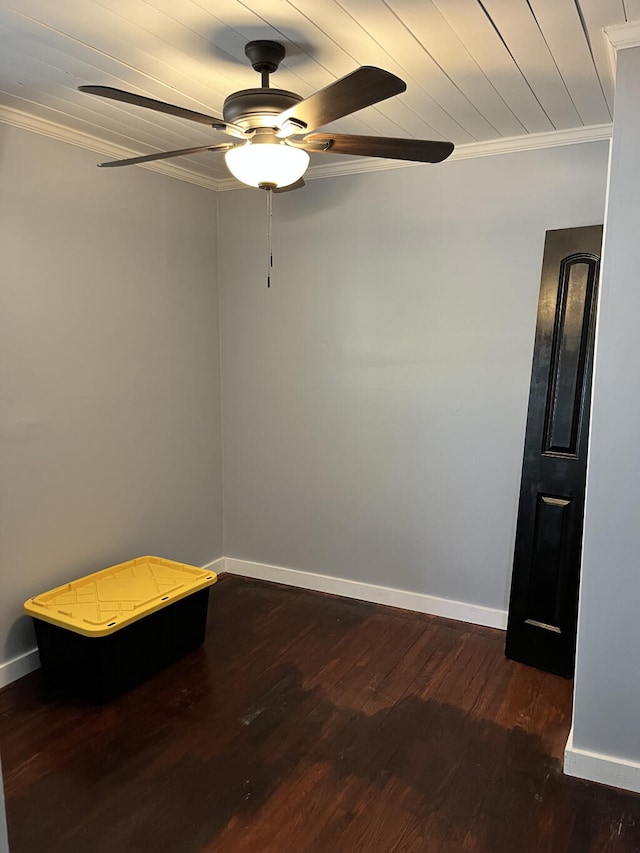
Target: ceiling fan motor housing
{"points": [[253, 108]]}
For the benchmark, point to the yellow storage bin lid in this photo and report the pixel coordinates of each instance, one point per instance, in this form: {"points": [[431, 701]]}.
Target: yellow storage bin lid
{"points": [[105, 601]]}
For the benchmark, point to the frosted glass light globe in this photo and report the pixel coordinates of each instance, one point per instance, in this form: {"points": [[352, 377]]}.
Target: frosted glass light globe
{"points": [[272, 163]]}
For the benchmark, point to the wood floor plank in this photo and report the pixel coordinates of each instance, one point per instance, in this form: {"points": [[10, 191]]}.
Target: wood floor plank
{"points": [[310, 724]]}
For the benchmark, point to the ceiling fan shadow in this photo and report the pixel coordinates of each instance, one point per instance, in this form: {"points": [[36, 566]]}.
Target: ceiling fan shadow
{"points": [[227, 44]]}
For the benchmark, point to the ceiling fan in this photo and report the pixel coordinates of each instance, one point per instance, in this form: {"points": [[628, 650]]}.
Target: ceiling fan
{"points": [[272, 126]]}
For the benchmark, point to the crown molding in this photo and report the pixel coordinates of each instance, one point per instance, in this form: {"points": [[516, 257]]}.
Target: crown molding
{"points": [[53, 130], [619, 37], [534, 141], [355, 166]]}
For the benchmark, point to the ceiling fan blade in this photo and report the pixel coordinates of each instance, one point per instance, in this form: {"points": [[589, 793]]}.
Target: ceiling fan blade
{"points": [[420, 150], [363, 87], [164, 155], [162, 107], [297, 185]]}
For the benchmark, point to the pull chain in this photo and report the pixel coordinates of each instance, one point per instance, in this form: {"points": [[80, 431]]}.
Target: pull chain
{"points": [[269, 234]]}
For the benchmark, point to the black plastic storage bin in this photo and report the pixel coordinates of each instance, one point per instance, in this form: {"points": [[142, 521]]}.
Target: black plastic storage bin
{"points": [[104, 633]]}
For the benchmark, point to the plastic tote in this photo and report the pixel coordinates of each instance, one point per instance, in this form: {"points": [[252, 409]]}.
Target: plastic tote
{"points": [[103, 633]]}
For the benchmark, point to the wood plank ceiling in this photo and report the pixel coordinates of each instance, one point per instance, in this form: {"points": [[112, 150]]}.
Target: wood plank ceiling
{"points": [[476, 70]]}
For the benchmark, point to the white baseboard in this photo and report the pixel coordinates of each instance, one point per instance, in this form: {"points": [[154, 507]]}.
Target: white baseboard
{"points": [[216, 566], [21, 665], [460, 610], [418, 601], [605, 769]]}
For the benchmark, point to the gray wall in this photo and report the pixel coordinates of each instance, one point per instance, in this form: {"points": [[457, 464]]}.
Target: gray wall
{"points": [[109, 379], [374, 400], [607, 686]]}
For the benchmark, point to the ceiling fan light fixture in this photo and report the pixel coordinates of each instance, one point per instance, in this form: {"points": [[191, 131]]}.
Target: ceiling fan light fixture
{"points": [[267, 161], [277, 127]]}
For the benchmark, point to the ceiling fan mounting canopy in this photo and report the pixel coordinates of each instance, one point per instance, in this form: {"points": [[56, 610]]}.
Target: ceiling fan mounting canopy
{"points": [[260, 117], [265, 55]]}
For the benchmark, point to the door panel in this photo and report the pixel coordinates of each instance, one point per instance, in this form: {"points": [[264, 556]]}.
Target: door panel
{"points": [[552, 520], [568, 361], [544, 589]]}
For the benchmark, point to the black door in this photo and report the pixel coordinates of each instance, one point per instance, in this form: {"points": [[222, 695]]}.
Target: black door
{"points": [[543, 608]]}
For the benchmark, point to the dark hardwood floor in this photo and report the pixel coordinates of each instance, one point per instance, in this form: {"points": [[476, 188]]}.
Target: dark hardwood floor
{"points": [[310, 724]]}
